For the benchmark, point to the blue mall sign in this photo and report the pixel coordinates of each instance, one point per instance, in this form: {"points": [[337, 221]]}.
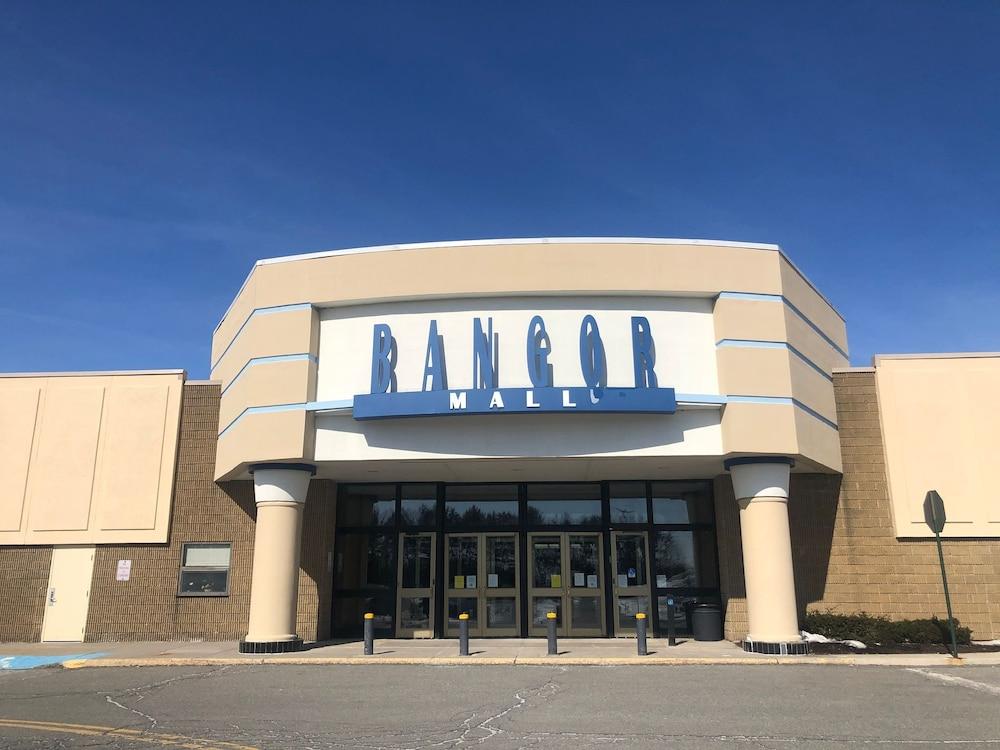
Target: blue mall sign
{"points": [[487, 397]]}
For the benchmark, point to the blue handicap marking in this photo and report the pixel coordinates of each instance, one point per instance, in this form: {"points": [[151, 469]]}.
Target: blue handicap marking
{"points": [[32, 662]]}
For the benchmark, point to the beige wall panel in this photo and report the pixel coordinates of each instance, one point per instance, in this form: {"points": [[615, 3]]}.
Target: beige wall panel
{"points": [[61, 483], [801, 294], [818, 442], [501, 269], [753, 319], [811, 344], [267, 384], [18, 410], [812, 389], [102, 466], [267, 436], [127, 492], [941, 424], [265, 336], [239, 310], [754, 372], [759, 428]]}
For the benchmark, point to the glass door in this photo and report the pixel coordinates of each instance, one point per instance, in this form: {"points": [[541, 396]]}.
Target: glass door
{"points": [[565, 578], [630, 567], [481, 577], [415, 600]]}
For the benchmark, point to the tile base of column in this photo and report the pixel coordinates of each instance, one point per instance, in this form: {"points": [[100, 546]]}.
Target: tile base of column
{"points": [[270, 647], [780, 648]]}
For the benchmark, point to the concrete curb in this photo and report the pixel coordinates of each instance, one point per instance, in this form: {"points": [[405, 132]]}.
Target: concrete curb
{"points": [[535, 661]]}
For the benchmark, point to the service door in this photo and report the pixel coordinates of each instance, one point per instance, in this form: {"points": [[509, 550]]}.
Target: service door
{"points": [[630, 572], [68, 595]]}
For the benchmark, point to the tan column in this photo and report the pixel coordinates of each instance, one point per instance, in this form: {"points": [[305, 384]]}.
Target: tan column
{"points": [[280, 492], [761, 488]]}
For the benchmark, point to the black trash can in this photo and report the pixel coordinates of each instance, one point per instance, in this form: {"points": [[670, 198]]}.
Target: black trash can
{"points": [[706, 622]]}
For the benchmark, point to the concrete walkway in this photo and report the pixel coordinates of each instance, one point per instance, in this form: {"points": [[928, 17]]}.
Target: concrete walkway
{"points": [[496, 651]]}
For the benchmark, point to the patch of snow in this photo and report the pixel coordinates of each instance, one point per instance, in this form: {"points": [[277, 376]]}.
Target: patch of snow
{"points": [[817, 638]]}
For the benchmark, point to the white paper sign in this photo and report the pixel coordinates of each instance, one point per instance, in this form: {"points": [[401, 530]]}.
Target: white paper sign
{"points": [[622, 580], [661, 582], [592, 581], [578, 579], [124, 570], [470, 582], [492, 580]]}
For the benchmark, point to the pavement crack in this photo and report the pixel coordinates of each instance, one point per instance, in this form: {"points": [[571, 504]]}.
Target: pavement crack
{"points": [[152, 721]]}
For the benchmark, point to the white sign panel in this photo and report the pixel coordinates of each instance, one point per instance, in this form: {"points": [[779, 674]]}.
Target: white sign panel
{"points": [[124, 570]]}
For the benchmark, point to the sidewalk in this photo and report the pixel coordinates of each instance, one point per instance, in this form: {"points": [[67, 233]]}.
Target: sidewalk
{"points": [[494, 651]]}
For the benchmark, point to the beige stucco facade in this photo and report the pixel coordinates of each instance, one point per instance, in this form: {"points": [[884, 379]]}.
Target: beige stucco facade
{"points": [[777, 338], [88, 458], [941, 422]]}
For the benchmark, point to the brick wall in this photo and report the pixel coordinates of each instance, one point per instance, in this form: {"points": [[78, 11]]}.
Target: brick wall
{"points": [[24, 580], [847, 557], [147, 607]]}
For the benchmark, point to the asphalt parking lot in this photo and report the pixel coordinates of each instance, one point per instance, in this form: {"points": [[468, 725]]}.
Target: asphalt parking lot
{"points": [[374, 707]]}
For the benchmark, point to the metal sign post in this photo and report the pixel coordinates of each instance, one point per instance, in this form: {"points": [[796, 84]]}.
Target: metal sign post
{"points": [[935, 517]]}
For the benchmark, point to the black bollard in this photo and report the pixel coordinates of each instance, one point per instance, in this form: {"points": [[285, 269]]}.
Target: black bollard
{"points": [[640, 632], [551, 623], [463, 634], [671, 636], [369, 633]]}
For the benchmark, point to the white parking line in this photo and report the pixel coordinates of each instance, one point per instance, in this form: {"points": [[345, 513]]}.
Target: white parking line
{"points": [[982, 687]]}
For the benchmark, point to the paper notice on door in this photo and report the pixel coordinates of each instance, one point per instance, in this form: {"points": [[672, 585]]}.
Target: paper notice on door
{"points": [[459, 582], [592, 581], [622, 580], [492, 580], [661, 582], [555, 581], [470, 582], [578, 579]]}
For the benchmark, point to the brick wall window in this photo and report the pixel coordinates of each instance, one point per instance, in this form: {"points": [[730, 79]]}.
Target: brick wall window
{"points": [[204, 569]]}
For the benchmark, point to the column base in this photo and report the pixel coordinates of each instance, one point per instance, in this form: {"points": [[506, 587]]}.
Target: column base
{"points": [[776, 648], [270, 647]]}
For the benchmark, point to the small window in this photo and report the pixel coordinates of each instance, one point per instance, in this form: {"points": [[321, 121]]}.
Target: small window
{"points": [[204, 569]]}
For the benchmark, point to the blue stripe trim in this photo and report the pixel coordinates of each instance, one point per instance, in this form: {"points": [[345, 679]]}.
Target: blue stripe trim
{"points": [[755, 344], [260, 311], [793, 308], [707, 399], [266, 360]]}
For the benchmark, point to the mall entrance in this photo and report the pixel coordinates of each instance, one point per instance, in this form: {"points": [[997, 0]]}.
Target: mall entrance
{"points": [[596, 554]]}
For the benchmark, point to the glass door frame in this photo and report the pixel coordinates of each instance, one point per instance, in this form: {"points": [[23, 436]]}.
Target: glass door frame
{"points": [[482, 591], [628, 591], [566, 590], [423, 592]]}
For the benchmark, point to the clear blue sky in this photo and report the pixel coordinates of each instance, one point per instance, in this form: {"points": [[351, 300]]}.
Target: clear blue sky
{"points": [[149, 153]]}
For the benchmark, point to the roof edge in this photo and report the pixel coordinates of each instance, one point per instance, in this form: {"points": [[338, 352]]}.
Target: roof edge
{"points": [[89, 373]]}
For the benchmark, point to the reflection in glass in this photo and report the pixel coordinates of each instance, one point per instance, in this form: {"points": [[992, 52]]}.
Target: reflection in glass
{"points": [[628, 502], [419, 505], [501, 559], [364, 560], [348, 611], [367, 505], [469, 513], [546, 558], [501, 612], [564, 512], [685, 559], [463, 605], [415, 613], [463, 560], [681, 502], [631, 557], [584, 559], [416, 561], [585, 612], [541, 606], [628, 606]]}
